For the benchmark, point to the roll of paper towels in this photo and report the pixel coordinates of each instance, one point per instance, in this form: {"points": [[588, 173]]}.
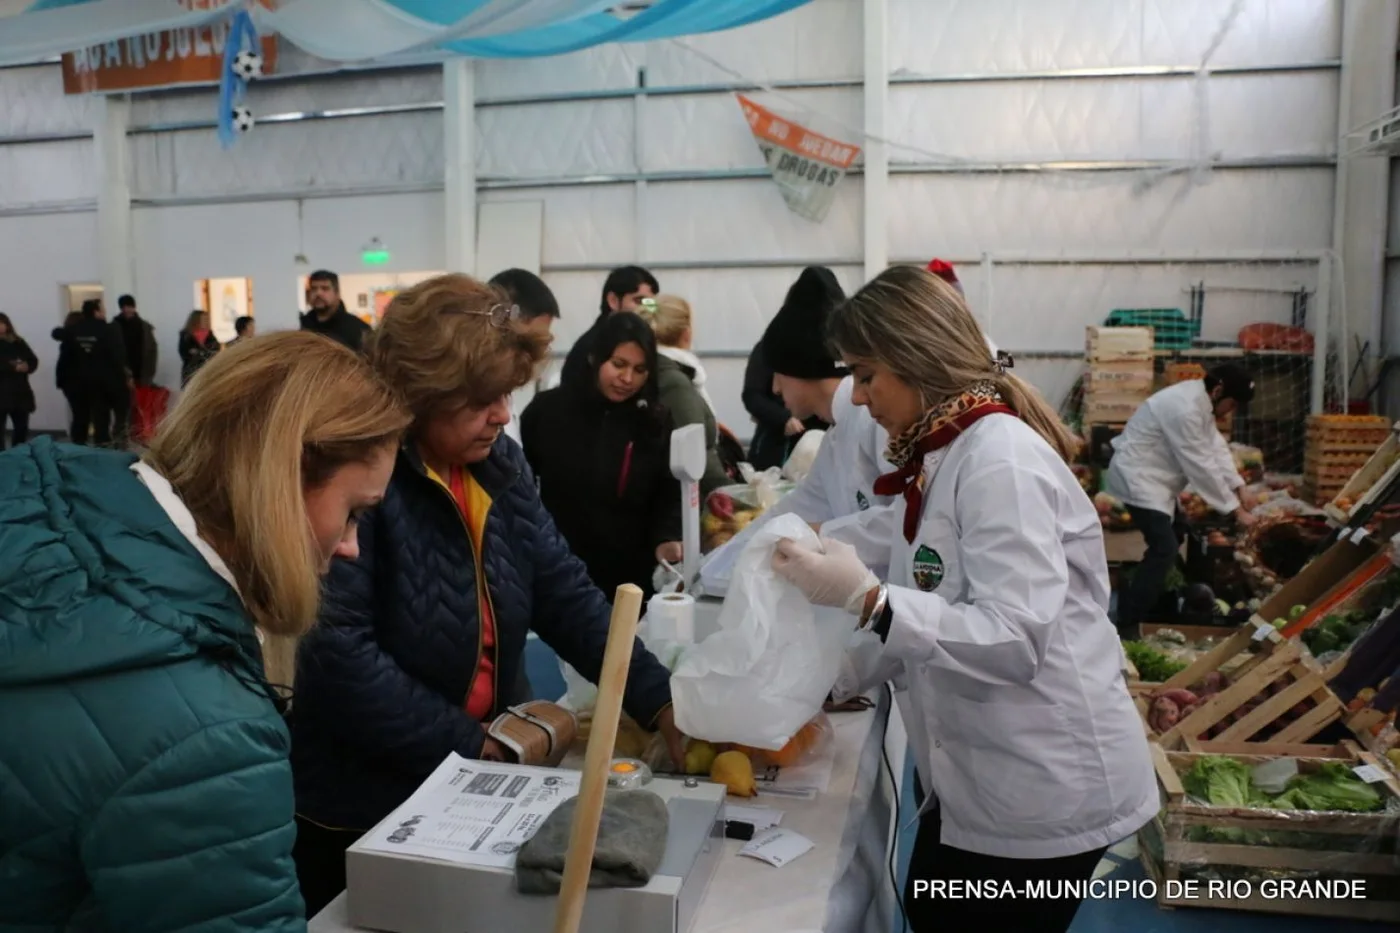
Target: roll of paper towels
{"points": [[671, 617]]}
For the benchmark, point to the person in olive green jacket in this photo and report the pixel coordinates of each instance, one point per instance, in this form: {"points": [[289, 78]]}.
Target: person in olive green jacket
{"points": [[148, 616], [680, 379]]}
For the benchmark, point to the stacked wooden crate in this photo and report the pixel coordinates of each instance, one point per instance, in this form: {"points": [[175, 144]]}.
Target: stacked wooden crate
{"points": [[1337, 446], [1120, 373]]}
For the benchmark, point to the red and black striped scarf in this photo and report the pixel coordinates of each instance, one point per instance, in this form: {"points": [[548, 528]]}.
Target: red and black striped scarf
{"points": [[938, 427]]}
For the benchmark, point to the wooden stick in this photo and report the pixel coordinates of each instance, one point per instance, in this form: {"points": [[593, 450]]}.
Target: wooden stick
{"points": [[583, 836]]}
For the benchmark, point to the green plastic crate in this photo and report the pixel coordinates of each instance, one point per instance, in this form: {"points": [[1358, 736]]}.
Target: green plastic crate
{"points": [[1172, 330]]}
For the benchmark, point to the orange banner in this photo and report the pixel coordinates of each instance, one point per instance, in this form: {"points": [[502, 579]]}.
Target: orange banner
{"points": [[160, 59], [807, 166], [797, 139]]}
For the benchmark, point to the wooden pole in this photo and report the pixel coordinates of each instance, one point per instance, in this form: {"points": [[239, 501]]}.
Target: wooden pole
{"points": [[583, 836]]}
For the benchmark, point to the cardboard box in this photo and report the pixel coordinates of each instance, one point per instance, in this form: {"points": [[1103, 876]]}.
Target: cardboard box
{"points": [[411, 894]]}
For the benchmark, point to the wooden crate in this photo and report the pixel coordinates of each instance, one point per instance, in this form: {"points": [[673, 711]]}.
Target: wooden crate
{"points": [[1370, 481], [1183, 372], [1118, 344], [1273, 692], [1305, 846]]}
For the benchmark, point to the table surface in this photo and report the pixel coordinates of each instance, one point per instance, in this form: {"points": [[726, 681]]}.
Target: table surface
{"points": [[834, 887]]}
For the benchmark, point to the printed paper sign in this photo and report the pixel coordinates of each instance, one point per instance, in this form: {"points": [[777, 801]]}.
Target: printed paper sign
{"points": [[806, 165]]}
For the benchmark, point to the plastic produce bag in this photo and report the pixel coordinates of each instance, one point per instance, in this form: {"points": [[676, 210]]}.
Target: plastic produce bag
{"points": [[766, 672]]}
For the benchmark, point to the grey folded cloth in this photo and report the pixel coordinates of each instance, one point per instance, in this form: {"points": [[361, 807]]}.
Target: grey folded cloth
{"points": [[631, 842]]}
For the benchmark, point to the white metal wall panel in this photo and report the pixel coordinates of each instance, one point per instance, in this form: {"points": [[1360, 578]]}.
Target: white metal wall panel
{"points": [[278, 96], [818, 41], [1233, 210], [32, 102], [1113, 118], [46, 173], [978, 36], [607, 67], [549, 140], [585, 224], [389, 151], [746, 219]]}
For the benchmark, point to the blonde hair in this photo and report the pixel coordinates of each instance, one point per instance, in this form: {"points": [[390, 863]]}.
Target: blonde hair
{"points": [[670, 320], [263, 422], [453, 341], [919, 327]]}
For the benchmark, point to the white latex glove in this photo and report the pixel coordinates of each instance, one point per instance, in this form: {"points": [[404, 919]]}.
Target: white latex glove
{"points": [[834, 576]]}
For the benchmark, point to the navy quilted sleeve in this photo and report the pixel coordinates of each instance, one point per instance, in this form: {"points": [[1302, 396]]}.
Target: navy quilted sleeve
{"points": [[571, 614], [201, 838], [348, 686]]}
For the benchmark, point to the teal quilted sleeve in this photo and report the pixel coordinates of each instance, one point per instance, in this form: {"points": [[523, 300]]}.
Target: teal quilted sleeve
{"points": [[200, 839]]}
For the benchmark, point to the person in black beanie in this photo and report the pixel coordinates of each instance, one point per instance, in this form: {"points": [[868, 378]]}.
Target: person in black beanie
{"points": [[805, 371]]}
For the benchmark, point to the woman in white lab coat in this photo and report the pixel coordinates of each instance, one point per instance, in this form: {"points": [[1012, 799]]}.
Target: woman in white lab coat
{"points": [[996, 609]]}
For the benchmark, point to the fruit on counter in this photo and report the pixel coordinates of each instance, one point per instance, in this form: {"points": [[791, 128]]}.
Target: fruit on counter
{"points": [[1222, 608], [1344, 503], [720, 505], [735, 772], [1280, 624], [806, 739], [1394, 757], [1296, 612], [699, 757]]}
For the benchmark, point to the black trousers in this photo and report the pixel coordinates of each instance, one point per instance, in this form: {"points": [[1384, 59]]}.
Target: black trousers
{"points": [[120, 403], [319, 854], [20, 419], [92, 416], [1137, 600], [932, 861]]}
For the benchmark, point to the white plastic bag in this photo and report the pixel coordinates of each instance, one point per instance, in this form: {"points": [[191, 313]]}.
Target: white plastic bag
{"points": [[768, 669]]}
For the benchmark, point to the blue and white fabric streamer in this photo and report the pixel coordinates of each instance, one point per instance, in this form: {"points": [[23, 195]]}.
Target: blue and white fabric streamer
{"points": [[242, 35]]}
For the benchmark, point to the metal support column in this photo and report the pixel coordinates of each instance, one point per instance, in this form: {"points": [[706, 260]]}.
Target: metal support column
{"points": [[877, 158], [459, 169], [116, 260]]}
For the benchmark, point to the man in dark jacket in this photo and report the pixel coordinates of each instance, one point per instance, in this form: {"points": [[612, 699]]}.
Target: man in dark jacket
{"points": [[328, 315], [625, 288], [775, 431], [138, 340], [97, 377]]}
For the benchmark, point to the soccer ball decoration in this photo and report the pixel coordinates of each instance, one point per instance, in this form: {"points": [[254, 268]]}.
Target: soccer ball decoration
{"points": [[242, 119], [248, 65]]}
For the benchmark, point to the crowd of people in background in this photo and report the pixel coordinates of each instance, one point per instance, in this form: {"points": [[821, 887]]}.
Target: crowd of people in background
{"points": [[318, 579]]}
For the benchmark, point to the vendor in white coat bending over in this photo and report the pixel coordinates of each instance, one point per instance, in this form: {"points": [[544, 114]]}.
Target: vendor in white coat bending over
{"points": [[996, 608], [1172, 441]]}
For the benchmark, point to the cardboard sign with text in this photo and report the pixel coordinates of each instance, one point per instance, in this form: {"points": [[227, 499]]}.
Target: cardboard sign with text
{"points": [[159, 59], [806, 165]]}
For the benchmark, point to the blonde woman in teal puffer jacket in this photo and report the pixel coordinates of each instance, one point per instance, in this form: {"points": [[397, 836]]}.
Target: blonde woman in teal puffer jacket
{"points": [[148, 613]]}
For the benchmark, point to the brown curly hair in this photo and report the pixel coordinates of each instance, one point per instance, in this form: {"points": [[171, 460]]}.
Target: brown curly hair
{"points": [[452, 341]]}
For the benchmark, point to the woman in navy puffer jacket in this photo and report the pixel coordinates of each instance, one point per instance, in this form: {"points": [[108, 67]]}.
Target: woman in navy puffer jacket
{"points": [[413, 657]]}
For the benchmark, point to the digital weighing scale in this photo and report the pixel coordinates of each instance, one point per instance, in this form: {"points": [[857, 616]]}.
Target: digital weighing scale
{"points": [[400, 893]]}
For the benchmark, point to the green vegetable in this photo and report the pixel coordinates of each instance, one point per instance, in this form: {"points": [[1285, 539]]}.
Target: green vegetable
{"points": [[1332, 787], [1152, 665], [1296, 613], [1222, 781], [1280, 623]]}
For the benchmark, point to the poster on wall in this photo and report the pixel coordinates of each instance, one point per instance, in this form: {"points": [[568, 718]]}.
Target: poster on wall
{"points": [[193, 55], [225, 301], [806, 165]]}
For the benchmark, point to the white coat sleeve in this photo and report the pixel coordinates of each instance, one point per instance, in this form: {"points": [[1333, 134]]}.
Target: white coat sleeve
{"points": [[1227, 461], [869, 532], [1013, 564], [1193, 438]]}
